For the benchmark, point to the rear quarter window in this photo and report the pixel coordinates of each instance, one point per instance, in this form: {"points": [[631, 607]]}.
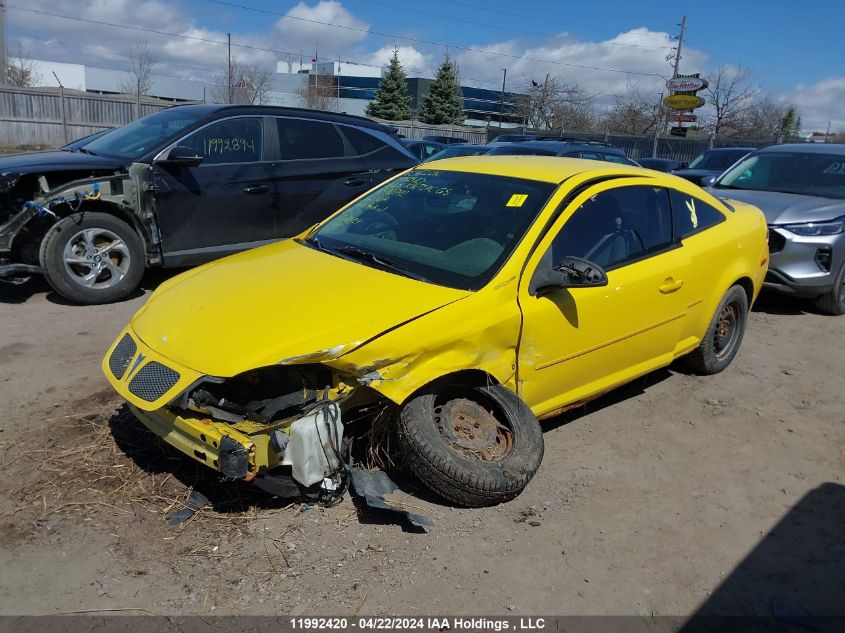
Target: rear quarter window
{"points": [[690, 215]]}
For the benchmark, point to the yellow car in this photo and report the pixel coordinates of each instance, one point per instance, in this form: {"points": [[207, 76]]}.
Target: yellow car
{"points": [[465, 299]]}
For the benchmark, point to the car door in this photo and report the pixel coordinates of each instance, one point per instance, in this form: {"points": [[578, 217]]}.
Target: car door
{"points": [[222, 205], [579, 342], [699, 227], [316, 173]]}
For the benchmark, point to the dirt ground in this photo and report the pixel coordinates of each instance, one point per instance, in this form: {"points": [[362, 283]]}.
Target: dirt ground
{"points": [[647, 501]]}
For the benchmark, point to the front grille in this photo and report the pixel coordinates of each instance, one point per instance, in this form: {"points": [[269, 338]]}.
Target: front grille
{"points": [[152, 381], [122, 356], [776, 241]]}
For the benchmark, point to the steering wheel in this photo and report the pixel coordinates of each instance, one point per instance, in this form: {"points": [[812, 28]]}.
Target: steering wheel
{"points": [[383, 223]]}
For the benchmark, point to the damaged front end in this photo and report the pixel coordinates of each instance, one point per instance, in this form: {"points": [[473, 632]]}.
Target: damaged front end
{"points": [[31, 204], [279, 427]]}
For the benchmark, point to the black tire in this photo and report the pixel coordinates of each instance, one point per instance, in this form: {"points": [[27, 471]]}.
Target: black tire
{"points": [[447, 469], [724, 335], [833, 302], [116, 268]]}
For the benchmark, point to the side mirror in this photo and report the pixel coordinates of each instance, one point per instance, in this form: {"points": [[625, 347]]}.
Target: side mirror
{"points": [[708, 181], [572, 272], [181, 155]]}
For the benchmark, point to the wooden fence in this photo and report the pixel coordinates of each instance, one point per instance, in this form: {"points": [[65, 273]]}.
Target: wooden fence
{"points": [[52, 117]]}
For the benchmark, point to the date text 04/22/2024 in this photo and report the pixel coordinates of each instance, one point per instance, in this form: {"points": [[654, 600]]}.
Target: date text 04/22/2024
{"points": [[417, 623]]}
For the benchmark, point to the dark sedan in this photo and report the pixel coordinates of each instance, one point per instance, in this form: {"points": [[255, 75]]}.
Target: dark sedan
{"points": [[712, 163], [570, 149], [661, 164], [465, 149], [180, 187], [423, 150]]}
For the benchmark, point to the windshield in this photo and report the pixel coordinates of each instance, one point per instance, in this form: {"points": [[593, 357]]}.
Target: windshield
{"points": [[717, 159], [139, 137], [789, 172], [451, 228]]}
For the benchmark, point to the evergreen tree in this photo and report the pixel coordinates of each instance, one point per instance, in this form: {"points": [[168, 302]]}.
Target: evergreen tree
{"points": [[392, 101], [444, 102]]}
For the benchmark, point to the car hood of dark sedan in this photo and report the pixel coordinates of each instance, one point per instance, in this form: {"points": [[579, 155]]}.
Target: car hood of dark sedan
{"points": [[696, 174], [785, 208], [56, 160]]}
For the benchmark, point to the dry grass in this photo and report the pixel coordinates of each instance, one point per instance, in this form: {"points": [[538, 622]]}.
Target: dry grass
{"points": [[99, 465]]}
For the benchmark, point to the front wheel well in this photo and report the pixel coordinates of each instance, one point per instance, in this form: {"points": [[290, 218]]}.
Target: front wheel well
{"points": [[463, 377], [37, 228]]}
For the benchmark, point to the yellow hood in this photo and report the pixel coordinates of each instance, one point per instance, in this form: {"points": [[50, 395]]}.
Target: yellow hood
{"points": [[280, 303]]}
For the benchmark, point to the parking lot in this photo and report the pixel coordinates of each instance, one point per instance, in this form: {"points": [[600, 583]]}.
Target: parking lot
{"points": [[647, 501]]}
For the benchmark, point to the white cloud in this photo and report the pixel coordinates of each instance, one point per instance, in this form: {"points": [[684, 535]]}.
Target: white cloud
{"points": [[413, 61], [819, 104], [301, 28], [641, 52]]}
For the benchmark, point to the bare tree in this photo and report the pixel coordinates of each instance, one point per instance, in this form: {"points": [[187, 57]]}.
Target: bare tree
{"points": [[320, 93], [141, 61], [730, 97], [21, 70], [633, 113], [246, 84], [555, 104]]}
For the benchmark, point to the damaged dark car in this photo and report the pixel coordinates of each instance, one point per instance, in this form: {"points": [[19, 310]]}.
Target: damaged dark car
{"points": [[181, 187]]}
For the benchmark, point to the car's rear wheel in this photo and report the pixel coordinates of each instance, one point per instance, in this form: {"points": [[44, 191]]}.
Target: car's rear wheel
{"points": [[724, 335], [92, 258], [475, 446], [833, 302]]}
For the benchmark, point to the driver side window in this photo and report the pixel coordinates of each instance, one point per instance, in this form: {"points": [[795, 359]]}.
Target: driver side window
{"points": [[616, 227], [235, 140]]}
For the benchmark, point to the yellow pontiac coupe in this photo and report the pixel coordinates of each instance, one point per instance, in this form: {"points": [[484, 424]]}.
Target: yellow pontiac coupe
{"points": [[466, 298]]}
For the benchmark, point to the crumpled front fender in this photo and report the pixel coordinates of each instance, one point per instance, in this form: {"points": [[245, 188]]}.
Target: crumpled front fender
{"points": [[479, 333]]}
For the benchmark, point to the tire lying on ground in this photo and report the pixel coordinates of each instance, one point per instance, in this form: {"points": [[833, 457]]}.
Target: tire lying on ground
{"points": [[474, 446], [92, 257]]}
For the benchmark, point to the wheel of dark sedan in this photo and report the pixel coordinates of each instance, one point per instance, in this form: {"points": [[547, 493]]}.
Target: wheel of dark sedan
{"points": [[474, 446], [721, 342], [92, 258], [834, 301]]}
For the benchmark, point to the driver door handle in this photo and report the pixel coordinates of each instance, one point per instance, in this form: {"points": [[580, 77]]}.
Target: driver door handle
{"points": [[254, 190], [670, 285]]}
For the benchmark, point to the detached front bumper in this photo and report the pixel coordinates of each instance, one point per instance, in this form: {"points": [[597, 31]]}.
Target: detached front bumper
{"points": [[214, 444], [803, 266]]}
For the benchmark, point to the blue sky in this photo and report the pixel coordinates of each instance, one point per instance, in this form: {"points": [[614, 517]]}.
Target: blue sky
{"points": [[796, 55]]}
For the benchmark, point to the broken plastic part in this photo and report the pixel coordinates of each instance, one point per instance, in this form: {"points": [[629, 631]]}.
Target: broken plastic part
{"points": [[313, 450], [371, 488], [196, 500], [234, 459]]}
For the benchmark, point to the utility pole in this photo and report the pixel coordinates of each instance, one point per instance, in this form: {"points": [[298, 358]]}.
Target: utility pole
{"points": [[62, 104], [502, 100], [229, 65], [680, 45], [3, 60]]}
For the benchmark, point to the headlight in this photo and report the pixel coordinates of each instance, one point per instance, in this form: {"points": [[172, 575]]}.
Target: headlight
{"points": [[810, 229]]}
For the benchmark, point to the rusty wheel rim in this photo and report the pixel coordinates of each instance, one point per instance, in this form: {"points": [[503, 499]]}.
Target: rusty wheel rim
{"points": [[472, 430], [727, 330]]}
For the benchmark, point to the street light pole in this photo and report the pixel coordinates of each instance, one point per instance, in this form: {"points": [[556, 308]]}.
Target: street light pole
{"points": [[502, 100], [229, 66]]}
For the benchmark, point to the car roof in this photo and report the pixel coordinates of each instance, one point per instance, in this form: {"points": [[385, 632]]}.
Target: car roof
{"points": [[552, 169], [807, 148], [729, 149], [216, 110], [560, 146]]}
